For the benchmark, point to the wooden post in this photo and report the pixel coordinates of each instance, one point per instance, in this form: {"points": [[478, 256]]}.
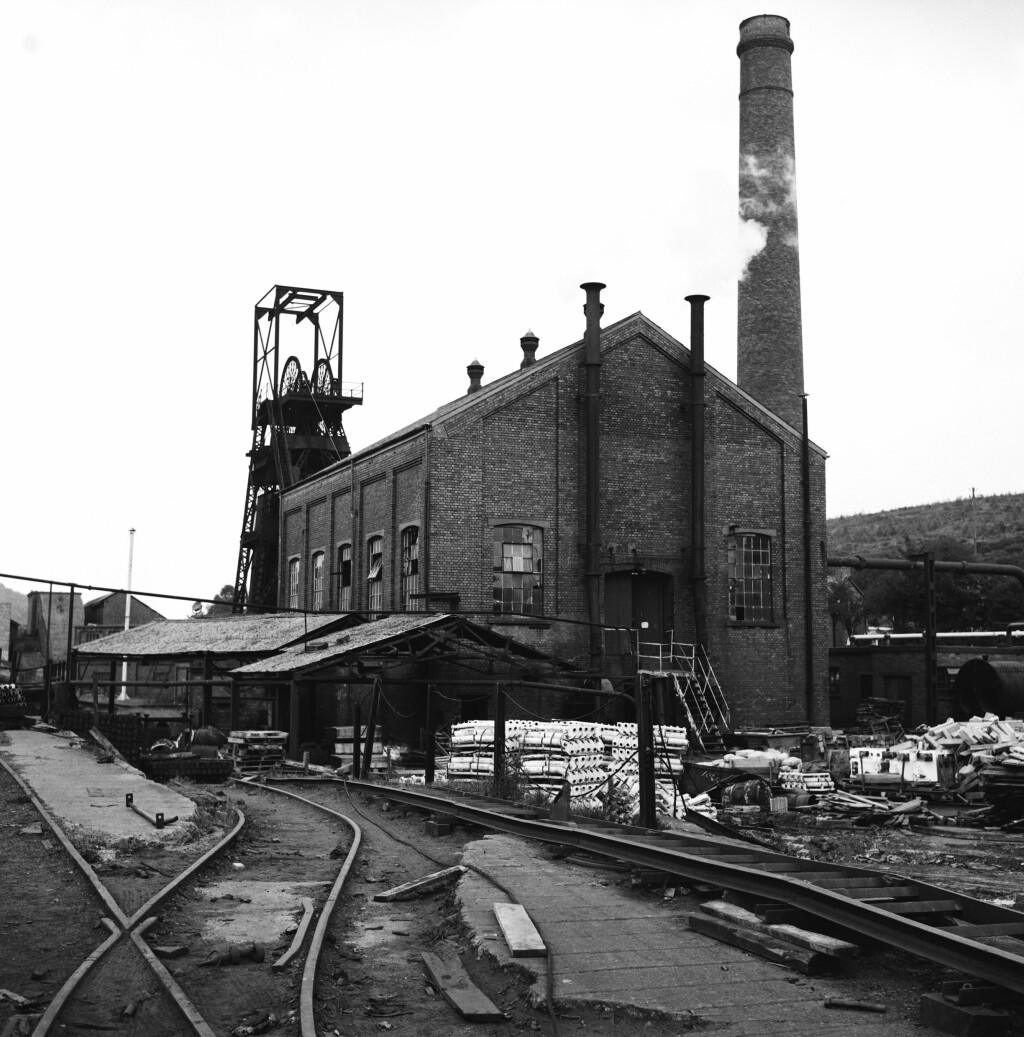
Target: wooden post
{"points": [[111, 708], [207, 690], [431, 747], [499, 739], [95, 701], [645, 751], [233, 721], [293, 721], [371, 731], [357, 732]]}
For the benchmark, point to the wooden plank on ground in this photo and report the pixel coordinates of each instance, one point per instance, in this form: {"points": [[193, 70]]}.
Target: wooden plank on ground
{"points": [[519, 931], [811, 963], [104, 743], [806, 938], [416, 888], [459, 990]]}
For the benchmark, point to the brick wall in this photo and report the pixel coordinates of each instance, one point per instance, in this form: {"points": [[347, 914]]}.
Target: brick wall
{"points": [[515, 452]]}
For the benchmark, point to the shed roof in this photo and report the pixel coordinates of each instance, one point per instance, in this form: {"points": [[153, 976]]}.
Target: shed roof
{"points": [[403, 635], [225, 636]]}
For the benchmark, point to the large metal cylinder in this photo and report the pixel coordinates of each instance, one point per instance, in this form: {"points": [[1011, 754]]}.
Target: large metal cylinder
{"points": [[770, 362], [990, 686]]}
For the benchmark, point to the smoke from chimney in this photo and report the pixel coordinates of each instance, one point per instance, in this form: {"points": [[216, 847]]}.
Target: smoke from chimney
{"points": [[769, 333]]}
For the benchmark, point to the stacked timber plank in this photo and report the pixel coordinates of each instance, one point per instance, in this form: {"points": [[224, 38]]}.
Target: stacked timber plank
{"points": [[256, 752]]}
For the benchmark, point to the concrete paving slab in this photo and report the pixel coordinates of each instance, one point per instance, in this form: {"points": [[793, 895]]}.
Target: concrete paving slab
{"points": [[610, 947], [87, 797]]}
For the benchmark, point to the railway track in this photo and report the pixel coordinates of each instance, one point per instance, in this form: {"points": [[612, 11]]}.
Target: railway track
{"points": [[972, 937], [125, 981], [959, 932]]}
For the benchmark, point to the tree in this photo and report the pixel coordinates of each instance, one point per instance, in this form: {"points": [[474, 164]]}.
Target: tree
{"points": [[223, 603]]}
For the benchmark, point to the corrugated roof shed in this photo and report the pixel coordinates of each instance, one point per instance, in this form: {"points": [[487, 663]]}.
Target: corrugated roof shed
{"points": [[416, 633], [227, 636]]}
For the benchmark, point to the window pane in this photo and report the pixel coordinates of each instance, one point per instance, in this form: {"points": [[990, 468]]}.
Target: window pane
{"points": [[517, 566]]}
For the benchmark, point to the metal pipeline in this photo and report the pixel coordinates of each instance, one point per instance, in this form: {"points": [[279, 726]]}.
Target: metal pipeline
{"points": [[907, 564], [698, 572], [592, 361]]}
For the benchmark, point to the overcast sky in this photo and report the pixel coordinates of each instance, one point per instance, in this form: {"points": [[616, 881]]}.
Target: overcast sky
{"points": [[457, 168]]}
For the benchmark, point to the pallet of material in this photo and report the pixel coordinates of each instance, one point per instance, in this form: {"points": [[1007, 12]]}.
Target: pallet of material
{"points": [[256, 751]]}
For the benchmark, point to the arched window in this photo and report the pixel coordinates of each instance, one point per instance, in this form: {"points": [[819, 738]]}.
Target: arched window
{"points": [[293, 583], [345, 577], [411, 568], [318, 581], [374, 574], [750, 577], [518, 586]]}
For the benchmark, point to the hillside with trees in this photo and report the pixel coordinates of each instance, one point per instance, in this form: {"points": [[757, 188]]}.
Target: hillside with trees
{"points": [[970, 529]]}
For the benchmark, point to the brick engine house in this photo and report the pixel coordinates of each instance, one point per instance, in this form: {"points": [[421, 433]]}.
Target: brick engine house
{"points": [[615, 492]]}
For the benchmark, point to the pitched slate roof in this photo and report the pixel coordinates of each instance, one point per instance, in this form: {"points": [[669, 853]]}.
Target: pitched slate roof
{"points": [[415, 633], [226, 636]]}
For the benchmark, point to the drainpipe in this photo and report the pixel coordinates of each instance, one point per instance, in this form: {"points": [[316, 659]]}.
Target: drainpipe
{"points": [[805, 464], [592, 361], [698, 572]]}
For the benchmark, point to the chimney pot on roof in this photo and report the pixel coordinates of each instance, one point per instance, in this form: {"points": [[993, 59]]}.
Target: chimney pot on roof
{"points": [[475, 371], [529, 342]]}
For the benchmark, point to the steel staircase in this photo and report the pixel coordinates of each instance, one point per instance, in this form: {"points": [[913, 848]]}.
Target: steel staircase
{"points": [[696, 688]]}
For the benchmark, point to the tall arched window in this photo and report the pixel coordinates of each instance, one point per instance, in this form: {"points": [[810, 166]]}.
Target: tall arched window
{"points": [[293, 583], [518, 586], [411, 568], [374, 574], [345, 577], [318, 581]]}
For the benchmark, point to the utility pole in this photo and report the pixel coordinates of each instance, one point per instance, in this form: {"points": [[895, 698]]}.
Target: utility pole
{"points": [[123, 697]]}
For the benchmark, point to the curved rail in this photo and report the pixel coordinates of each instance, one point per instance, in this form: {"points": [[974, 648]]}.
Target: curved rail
{"points": [[306, 1023], [134, 926], [878, 905]]}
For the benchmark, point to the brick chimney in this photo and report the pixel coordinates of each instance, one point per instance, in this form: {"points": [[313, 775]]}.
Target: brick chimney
{"points": [[770, 362], [475, 371], [529, 342]]}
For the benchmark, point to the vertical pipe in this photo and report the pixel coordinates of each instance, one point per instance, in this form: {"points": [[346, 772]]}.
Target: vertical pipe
{"points": [[805, 465], [698, 572], [592, 361]]}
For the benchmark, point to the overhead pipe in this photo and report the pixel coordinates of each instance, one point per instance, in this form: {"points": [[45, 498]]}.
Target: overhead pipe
{"points": [[698, 371], [908, 564], [592, 362]]}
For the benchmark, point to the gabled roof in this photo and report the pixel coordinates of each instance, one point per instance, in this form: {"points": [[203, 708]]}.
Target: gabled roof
{"points": [[407, 636], [636, 323], [231, 636]]}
